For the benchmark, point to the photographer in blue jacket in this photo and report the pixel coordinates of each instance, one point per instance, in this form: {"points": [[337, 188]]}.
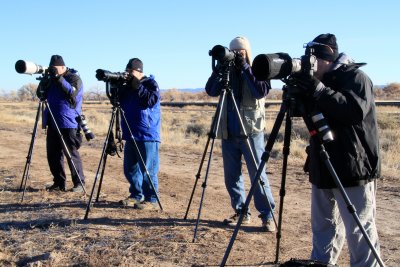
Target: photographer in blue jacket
{"points": [[63, 89], [140, 102]]}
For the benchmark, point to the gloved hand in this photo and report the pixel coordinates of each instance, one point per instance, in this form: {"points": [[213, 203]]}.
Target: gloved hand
{"points": [[53, 73], [240, 61], [309, 84], [134, 83]]}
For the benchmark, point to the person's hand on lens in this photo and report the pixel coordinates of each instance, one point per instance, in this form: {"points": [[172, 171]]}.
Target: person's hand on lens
{"points": [[309, 84]]}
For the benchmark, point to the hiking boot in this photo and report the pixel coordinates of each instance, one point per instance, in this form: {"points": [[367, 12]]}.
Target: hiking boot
{"points": [[235, 218], [77, 188], [146, 205], [55, 187], [129, 202], [268, 226]]}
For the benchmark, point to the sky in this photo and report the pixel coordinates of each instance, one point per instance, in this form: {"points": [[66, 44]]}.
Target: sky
{"points": [[173, 38]]}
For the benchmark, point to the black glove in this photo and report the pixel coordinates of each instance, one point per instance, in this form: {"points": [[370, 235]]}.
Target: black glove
{"points": [[240, 61], [309, 84], [134, 83], [53, 73]]}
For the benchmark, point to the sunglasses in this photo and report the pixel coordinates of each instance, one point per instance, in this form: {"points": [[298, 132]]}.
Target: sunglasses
{"points": [[311, 44]]}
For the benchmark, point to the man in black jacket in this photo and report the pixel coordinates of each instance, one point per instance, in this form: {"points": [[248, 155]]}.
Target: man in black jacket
{"points": [[344, 94]]}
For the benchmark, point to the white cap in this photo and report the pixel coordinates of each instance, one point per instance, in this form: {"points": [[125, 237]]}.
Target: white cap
{"points": [[240, 43]]}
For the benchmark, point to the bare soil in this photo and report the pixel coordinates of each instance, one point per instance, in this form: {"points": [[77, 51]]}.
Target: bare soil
{"points": [[48, 229]]}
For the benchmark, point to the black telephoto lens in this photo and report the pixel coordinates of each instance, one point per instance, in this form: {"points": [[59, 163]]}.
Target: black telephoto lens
{"points": [[221, 53], [105, 75]]}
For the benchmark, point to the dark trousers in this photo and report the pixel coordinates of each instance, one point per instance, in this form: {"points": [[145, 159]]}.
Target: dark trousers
{"points": [[55, 155]]}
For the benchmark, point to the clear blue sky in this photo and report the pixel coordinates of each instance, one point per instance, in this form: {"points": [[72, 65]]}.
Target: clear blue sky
{"points": [[173, 37]]}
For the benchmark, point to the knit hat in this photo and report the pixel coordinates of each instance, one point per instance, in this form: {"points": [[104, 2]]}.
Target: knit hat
{"points": [[56, 60], [325, 47], [135, 64], [240, 43]]}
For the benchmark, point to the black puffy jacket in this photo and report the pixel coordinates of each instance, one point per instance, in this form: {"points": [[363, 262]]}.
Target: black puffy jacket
{"points": [[349, 107]]}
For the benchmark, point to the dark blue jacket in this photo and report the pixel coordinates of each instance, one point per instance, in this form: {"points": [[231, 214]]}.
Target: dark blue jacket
{"points": [[142, 110], [64, 96]]}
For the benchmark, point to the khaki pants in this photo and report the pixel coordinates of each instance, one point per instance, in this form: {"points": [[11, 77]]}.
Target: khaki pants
{"points": [[332, 223]]}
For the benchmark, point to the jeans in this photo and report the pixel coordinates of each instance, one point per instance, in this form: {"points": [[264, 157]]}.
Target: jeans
{"points": [[140, 188], [232, 151], [332, 224]]}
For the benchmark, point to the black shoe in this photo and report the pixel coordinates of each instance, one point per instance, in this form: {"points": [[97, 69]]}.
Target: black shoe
{"points": [[55, 187]]}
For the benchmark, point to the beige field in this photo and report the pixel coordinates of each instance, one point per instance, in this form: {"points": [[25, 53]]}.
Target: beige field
{"points": [[48, 229]]}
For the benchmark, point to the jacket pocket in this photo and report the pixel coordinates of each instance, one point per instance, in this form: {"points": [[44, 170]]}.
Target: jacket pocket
{"points": [[253, 120]]}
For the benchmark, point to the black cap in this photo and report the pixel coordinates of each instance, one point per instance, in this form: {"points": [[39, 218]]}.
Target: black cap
{"points": [[135, 64], [325, 47], [56, 60]]}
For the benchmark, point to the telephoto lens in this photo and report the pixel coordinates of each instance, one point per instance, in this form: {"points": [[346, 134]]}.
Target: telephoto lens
{"points": [[83, 124], [27, 67], [322, 127]]}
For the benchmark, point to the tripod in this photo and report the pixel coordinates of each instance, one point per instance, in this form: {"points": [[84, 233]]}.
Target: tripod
{"points": [[212, 135], [25, 176], [116, 113], [292, 108]]}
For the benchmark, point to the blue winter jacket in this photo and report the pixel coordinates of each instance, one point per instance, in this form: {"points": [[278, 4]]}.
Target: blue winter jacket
{"points": [[142, 110], [64, 96]]}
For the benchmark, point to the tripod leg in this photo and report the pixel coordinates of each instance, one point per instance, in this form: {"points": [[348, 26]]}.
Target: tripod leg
{"points": [[25, 175], [264, 160], [141, 159], [103, 158], [204, 185], [282, 192], [101, 177], [67, 153], [197, 176], [213, 134]]}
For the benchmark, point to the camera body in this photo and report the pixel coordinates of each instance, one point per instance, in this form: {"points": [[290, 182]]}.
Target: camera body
{"points": [[114, 82]]}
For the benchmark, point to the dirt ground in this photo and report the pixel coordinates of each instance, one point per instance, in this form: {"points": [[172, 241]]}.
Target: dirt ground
{"points": [[48, 229]]}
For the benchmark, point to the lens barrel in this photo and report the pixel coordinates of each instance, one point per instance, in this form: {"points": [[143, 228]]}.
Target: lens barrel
{"points": [[322, 127], [27, 67], [222, 53]]}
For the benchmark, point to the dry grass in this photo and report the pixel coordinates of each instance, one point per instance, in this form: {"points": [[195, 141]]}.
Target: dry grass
{"points": [[187, 128]]}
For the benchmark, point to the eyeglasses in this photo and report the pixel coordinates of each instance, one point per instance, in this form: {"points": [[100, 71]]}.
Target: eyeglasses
{"points": [[311, 44]]}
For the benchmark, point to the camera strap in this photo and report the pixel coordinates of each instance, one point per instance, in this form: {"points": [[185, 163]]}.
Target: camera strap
{"points": [[118, 132]]}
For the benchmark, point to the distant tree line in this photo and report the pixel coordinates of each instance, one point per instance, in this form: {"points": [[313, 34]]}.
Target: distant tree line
{"points": [[28, 93]]}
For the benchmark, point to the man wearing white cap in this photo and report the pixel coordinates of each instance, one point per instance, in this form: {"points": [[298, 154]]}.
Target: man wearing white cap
{"points": [[249, 95]]}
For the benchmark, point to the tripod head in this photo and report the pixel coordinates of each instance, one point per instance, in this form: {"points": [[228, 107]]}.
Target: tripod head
{"points": [[42, 89], [304, 106], [113, 93]]}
